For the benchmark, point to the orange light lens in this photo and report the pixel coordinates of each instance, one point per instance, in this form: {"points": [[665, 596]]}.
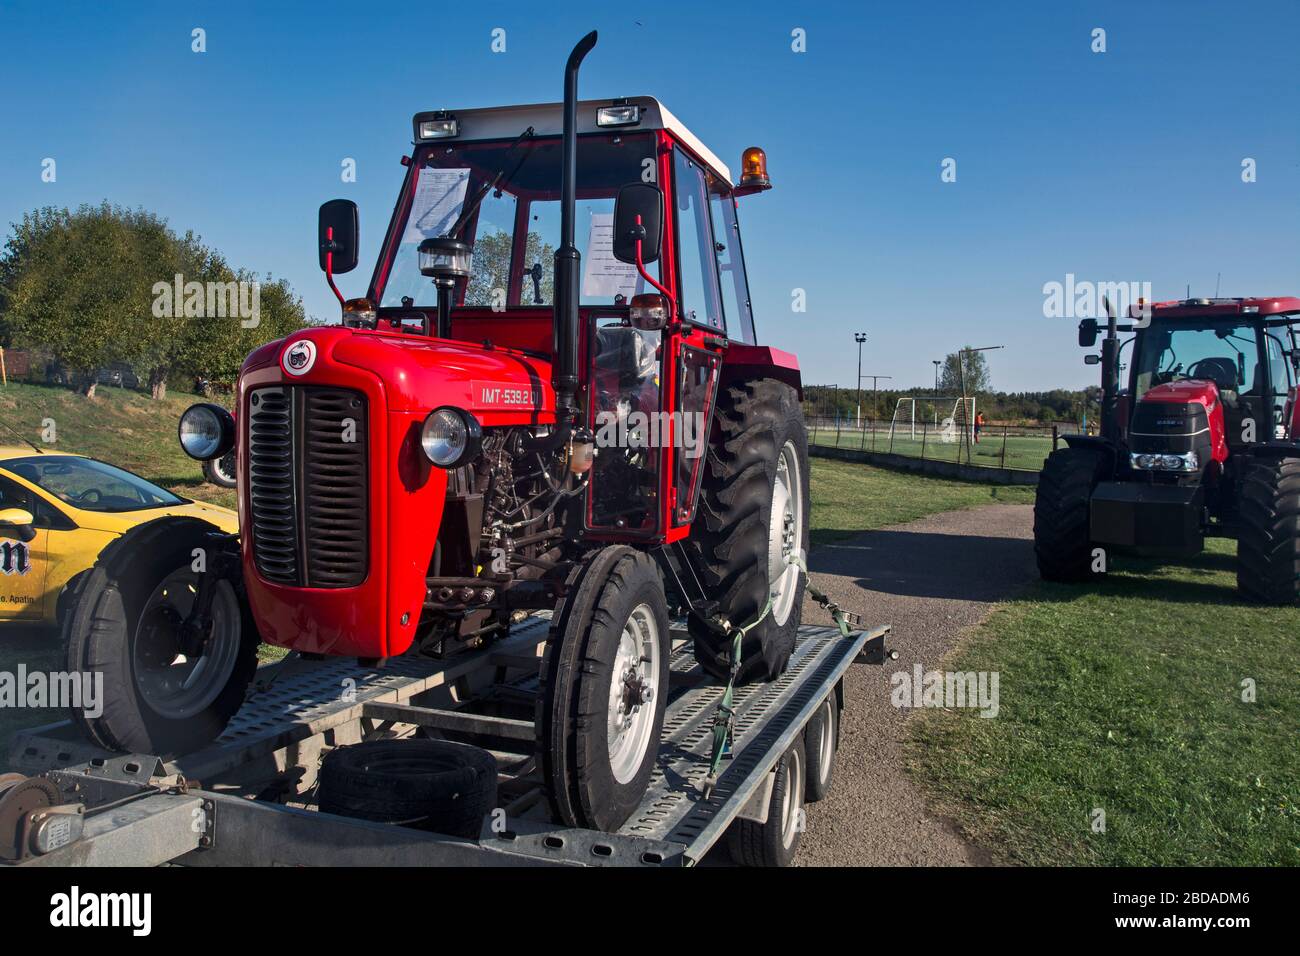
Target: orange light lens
{"points": [[753, 165]]}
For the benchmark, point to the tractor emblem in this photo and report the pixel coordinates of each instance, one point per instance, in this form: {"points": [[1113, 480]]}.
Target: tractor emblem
{"points": [[14, 558], [300, 357]]}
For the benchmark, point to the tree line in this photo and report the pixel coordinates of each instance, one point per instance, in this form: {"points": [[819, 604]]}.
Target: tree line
{"points": [[102, 285]]}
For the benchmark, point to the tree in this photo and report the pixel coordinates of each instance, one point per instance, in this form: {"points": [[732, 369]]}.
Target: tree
{"points": [[967, 368], [491, 268]]}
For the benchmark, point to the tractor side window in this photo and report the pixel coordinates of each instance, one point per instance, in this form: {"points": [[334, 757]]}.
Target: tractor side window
{"points": [[699, 282], [731, 264]]}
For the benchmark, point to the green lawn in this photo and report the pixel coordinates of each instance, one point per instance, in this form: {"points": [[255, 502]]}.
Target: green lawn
{"points": [[1127, 697], [1023, 452]]}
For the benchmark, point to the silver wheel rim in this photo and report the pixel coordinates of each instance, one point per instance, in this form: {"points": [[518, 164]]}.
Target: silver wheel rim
{"points": [[826, 750], [631, 714], [219, 466], [173, 685], [792, 799], [785, 533]]}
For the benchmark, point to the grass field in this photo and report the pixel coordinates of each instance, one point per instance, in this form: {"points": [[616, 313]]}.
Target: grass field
{"points": [[1023, 452], [1127, 697]]}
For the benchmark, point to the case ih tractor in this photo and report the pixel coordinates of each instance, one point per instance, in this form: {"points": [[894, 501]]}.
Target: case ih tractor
{"points": [[1205, 441], [486, 435]]}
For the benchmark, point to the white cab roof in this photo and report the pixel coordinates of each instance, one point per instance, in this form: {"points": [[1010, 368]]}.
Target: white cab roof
{"points": [[507, 122]]}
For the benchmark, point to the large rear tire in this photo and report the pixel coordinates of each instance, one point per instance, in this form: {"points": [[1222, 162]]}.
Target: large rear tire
{"points": [[1268, 549], [122, 622], [1062, 537], [753, 515], [604, 687]]}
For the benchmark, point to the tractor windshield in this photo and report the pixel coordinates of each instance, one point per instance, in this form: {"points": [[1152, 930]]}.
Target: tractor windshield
{"points": [[1222, 352], [516, 229]]}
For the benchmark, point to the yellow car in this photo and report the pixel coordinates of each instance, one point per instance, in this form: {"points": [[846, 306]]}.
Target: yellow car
{"points": [[58, 511]]}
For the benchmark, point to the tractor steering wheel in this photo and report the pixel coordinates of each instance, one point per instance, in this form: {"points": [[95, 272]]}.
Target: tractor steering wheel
{"points": [[1221, 371]]}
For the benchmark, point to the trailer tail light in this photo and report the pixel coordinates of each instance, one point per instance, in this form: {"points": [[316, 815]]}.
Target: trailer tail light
{"points": [[621, 114]]}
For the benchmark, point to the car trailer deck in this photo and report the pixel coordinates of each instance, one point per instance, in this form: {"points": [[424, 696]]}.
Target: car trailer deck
{"points": [[247, 799]]}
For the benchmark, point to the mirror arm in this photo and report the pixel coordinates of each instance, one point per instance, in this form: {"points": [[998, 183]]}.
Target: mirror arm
{"points": [[329, 264], [640, 267]]}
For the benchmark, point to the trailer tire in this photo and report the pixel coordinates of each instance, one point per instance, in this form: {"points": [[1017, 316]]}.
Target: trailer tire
{"points": [[103, 633], [821, 741], [1268, 547], [595, 774], [1062, 533], [437, 785], [775, 842], [220, 471], [757, 463]]}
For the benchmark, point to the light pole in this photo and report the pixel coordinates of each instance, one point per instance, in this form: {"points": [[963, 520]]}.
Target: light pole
{"points": [[859, 337], [874, 379], [937, 363]]}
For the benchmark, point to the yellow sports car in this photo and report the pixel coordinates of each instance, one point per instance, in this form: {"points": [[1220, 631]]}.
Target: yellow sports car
{"points": [[58, 511]]}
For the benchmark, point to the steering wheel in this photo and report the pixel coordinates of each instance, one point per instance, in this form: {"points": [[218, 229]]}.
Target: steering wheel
{"points": [[85, 497], [1221, 371]]}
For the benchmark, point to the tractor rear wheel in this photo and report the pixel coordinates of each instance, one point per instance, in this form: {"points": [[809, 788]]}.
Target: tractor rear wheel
{"points": [[752, 518], [1062, 538], [1268, 548], [600, 710]]}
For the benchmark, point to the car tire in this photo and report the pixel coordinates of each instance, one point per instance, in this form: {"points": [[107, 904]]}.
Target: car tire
{"points": [[220, 471]]}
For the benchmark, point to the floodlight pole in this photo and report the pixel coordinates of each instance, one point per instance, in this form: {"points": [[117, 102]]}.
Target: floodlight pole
{"points": [[859, 337]]}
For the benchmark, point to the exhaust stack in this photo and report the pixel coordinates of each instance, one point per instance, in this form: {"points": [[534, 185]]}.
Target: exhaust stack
{"points": [[567, 258]]}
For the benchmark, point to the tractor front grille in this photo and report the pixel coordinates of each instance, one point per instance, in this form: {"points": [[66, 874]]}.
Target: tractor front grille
{"points": [[308, 490]]}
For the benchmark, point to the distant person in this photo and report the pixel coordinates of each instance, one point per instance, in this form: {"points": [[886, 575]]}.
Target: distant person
{"points": [[979, 425]]}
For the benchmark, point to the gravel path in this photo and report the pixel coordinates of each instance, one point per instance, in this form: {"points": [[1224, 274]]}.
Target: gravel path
{"points": [[931, 579]]}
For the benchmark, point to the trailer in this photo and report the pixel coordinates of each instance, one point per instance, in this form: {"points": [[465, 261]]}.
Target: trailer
{"points": [[248, 799]]}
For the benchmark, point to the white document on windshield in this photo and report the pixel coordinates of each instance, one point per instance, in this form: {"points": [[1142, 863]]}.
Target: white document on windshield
{"points": [[439, 198], [603, 276]]}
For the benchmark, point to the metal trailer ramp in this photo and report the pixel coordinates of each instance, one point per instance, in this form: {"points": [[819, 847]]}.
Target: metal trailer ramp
{"points": [[197, 809]]}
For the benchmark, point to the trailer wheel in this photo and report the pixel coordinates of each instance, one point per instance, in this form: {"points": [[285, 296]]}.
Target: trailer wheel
{"points": [[821, 741], [753, 514], [123, 622], [775, 842], [220, 471], [1062, 536], [1268, 547], [437, 785], [604, 685]]}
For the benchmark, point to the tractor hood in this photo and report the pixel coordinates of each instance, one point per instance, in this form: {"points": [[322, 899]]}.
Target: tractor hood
{"points": [[1180, 417]]}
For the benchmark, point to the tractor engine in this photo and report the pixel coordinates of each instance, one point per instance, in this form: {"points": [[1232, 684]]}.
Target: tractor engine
{"points": [[1177, 433]]}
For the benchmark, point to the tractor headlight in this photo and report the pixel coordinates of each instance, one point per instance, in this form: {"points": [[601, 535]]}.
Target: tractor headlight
{"points": [[206, 431], [1144, 461], [450, 437]]}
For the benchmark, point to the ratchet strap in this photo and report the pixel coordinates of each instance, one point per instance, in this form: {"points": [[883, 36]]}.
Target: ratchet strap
{"points": [[724, 718]]}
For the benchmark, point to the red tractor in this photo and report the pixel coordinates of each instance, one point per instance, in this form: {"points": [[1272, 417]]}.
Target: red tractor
{"points": [[481, 438], [1205, 441]]}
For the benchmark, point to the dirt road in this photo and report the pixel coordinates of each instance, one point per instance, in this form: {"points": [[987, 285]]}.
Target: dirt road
{"points": [[931, 579]]}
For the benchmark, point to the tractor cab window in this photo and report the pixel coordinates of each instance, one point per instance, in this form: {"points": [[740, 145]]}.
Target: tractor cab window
{"points": [[516, 229], [1279, 375], [736, 312], [1223, 353], [697, 260]]}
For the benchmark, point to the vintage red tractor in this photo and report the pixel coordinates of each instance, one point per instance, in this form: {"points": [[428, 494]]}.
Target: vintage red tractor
{"points": [[481, 438], [1205, 441]]}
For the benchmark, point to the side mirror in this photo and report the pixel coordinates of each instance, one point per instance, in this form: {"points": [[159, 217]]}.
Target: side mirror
{"points": [[1087, 333], [1092, 360], [20, 520], [338, 232], [646, 201]]}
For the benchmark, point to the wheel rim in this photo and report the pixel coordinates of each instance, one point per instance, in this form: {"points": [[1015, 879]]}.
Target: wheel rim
{"points": [[785, 533], [826, 750], [175, 685], [792, 799], [225, 467], [630, 718]]}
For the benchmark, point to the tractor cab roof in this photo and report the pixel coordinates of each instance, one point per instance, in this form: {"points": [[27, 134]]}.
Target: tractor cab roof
{"points": [[547, 119], [1282, 309]]}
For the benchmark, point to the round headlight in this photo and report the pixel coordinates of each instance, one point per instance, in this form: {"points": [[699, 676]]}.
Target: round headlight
{"points": [[206, 431], [450, 437], [1147, 461]]}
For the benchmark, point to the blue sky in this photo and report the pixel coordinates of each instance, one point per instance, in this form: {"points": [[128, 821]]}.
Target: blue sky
{"points": [[1115, 166]]}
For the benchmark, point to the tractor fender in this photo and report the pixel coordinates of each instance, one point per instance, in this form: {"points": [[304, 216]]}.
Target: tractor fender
{"points": [[1274, 449], [120, 552], [1109, 448], [745, 363]]}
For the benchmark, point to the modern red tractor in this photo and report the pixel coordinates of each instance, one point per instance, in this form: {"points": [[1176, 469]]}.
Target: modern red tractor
{"points": [[1204, 442], [481, 438]]}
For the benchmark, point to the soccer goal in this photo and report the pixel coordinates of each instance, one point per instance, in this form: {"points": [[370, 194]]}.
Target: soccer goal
{"points": [[959, 425]]}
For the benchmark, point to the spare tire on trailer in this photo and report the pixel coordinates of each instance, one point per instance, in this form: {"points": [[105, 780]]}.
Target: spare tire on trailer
{"points": [[438, 785], [1268, 545], [752, 516], [1062, 510], [122, 621]]}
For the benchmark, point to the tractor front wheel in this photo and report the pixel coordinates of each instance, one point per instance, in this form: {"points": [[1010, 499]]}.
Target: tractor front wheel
{"points": [[752, 521], [1268, 549], [604, 687], [1062, 538]]}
